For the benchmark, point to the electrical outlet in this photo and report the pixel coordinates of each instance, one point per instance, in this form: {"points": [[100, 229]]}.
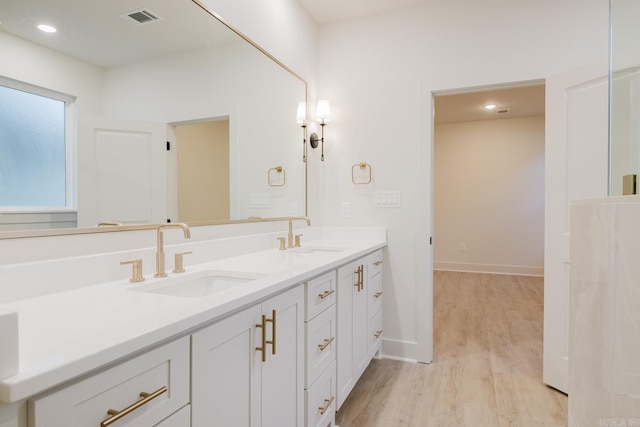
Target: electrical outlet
{"points": [[345, 212]]}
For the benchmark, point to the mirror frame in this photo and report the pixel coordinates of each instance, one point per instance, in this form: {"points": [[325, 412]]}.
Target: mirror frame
{"points": [[19, 234]]}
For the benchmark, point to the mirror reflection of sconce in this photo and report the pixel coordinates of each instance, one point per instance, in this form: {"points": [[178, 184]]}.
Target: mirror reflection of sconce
{"points": [[301, 119], [323, 115], [277, 177], [361, 173]]}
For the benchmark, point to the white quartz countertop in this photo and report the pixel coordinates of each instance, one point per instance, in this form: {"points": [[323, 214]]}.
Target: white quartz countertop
{"points": [[68, 334]]}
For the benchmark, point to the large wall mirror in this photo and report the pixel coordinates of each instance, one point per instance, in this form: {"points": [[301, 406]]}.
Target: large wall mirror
{"points": [[624, 121], [138, 113]]}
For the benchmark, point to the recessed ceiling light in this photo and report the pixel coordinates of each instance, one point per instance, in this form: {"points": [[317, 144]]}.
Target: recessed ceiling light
{"points": [[490, 106], [47, 28]]}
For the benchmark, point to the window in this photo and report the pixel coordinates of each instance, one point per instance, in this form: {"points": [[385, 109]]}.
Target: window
{"points": [[36, 155]]}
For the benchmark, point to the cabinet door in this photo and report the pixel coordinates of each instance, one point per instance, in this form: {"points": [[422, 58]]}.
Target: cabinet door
{"points": [[361, 323], [225, 372], [283, 372], [346, 376]]}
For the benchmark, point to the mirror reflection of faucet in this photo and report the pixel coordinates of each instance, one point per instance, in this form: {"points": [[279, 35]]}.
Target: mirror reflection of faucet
{"points": [[160, 264]]}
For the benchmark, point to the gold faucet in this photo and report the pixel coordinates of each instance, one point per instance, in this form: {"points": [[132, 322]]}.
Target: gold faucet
{"points": [[160, 270], [290, 240]]}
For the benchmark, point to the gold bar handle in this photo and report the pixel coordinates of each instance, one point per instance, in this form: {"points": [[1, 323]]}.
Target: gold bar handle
{"points": [[273, 332], [377, 263], [327, 403], [146, 398], [362, 277], [325, 294], [378, 333], [263, 326], [326, 343], [378, 294]]}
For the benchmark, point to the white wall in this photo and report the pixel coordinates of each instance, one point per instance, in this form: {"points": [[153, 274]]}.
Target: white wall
{"points": [[489, 196], [379, 73]]}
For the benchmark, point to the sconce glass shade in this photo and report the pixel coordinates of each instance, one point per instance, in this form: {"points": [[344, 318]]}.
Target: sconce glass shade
{"points": [[301, 115], [323, 111]]}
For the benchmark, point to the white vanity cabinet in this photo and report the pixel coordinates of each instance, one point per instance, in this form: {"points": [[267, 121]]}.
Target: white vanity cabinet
{"points": [[356, 321], [248, 369], [320, 338], [141, 392]]}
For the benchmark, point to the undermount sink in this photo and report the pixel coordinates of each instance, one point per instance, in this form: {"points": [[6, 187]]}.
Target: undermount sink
{"points": [[200, 285], [319, 249]]}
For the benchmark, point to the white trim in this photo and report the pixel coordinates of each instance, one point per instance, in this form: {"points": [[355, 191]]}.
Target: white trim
{"points": [[517, 270], [400, 350]]}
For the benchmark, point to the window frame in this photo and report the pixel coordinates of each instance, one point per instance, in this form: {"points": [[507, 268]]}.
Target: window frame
{"points": [[70, 140]]}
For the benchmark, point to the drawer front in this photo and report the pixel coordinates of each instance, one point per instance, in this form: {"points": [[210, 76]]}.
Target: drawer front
{"points": [[321, 345], [375, 333], [86, 402], [374, 263], [182, 418], [320, 294], [320, 400], [375, 294]]}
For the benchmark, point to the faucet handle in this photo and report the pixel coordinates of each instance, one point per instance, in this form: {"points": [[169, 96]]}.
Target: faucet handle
{"points": [[136, 270], [178, 264], [297, 244], [283, 244]]}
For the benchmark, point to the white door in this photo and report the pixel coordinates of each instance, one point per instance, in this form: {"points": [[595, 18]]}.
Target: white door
{"points": [[225, 372], [576, 167], [283, 372], [122, 172]]}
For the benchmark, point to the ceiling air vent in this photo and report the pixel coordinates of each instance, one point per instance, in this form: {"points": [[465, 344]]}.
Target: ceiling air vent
{"points": [[503, 111], [141, 16]]}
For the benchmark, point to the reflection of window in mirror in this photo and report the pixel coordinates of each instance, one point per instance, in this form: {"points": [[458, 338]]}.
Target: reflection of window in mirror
{"points": [[35, 149]]}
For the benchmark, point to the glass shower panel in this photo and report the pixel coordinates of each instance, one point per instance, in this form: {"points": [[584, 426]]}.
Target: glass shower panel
{"points": [[624, 123], [32, 150]]}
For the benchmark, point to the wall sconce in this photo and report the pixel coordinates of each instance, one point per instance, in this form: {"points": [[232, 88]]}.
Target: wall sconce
{"points": [[323, 115], [301, 119]]}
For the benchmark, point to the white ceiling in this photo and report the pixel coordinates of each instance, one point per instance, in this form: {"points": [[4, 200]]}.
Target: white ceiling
{"points": [[325, 11], [467, 107], [95, 32]]}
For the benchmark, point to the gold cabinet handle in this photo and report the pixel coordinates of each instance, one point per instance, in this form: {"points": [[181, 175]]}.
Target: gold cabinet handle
{"points": [[377, 263], [146, 398], [361, 277], [273, 332], [377, 294], [327, 403], [263, 348], [378, 333], [326, 294], [326, 343]]}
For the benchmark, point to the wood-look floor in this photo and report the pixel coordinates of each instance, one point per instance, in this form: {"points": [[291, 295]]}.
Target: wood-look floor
{"points": [[487, 367]]}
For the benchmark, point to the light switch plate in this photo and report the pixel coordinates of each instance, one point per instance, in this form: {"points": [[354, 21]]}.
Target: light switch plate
{"points": [[387, 199]]}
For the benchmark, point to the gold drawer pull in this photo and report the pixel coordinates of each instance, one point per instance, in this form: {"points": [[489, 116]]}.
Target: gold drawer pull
{"points": [[146, 398], [327, 341], [377, 294], [273, 332], [325, 294], [377, 334], [327, 403], [377, 263], [263, 348]]}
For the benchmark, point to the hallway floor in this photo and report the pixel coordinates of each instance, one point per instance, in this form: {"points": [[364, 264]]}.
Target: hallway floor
{"points": [[487, 367]]}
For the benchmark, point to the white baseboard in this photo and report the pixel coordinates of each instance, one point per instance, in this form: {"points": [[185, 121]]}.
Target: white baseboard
{"points": [[405, 351], [516, 270]]}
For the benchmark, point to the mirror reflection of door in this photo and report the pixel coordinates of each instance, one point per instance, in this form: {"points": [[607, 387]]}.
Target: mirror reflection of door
{"points": [[203, 170]]}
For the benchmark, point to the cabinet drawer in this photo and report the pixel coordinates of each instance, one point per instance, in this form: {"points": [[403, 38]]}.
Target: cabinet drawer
{"points": [[321, 345], [320, 400], [375, 333], [182, 418], [320, 294], [374, 263], [86, 402], [375, 294]]}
